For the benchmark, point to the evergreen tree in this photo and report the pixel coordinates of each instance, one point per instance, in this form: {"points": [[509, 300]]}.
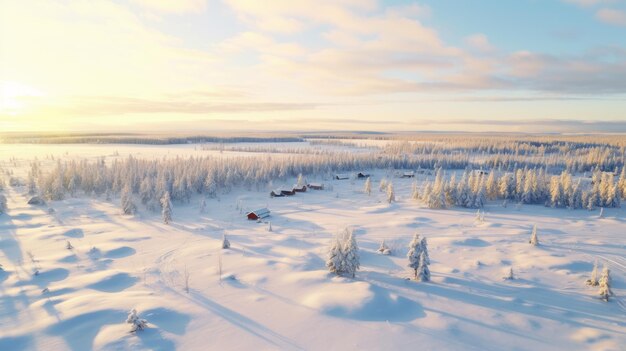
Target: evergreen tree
{"points": [[384, 249], [166, 208], [335, 256], [415, 195], [415, 253], [383, 185], [128, 206], [351, 262], [491, 187], [3, 204], [225, 242], [391, 195], [423, 272], [367, 188], [203, 205], [605, 284], [136, 322], [534, 240]]}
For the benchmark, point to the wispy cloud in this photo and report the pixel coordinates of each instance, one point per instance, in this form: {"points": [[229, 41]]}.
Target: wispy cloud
{"points": [[612, 16]]}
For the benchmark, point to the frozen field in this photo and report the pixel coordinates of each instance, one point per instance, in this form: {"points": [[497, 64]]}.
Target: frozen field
{"points": [[274, 291]]}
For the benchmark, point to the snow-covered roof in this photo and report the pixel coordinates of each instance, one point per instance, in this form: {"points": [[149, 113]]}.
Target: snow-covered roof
{"points": [[315, 184]]}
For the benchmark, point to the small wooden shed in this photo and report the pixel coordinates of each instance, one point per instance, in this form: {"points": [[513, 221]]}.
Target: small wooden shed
{"points": [[301, 189], [258, 214], [288, 192], [341, 176], [316, 186], [276, 193], [362, 175]]}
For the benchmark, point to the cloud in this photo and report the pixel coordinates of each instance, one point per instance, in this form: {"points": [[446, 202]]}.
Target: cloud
{"points": [[479, 42], [173, 6], [611, 16], [589, 3], [116, 105]]}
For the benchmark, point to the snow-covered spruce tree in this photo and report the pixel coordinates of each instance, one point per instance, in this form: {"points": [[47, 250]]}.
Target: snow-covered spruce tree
{"points": [[166, 208], [225, 242], [415, 194], [3, 204], [367, 188], [491, 186], [391, 195], [68, 245], [534, 240], [384, 249], [605, 284], [351, 262], [335, 256], [601, 215], [135, 322], [593, 280], [128, 206], [383, 185], [203, 205], [269, 226], [414, 254], [423, 272]]}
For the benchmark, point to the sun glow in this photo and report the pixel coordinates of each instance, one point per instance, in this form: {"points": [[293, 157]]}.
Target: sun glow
{"points": [[14, 97]]}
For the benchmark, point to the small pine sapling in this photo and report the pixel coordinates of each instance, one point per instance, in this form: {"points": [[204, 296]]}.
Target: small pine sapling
{"points": [[534, 240], [509, 275], [68, 245], [367, 188], [391, 195], [136, 322], [225, 242], [384, 249]]}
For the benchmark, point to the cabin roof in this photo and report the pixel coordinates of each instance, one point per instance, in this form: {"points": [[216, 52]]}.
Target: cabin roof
{"points": [[261, 212]]}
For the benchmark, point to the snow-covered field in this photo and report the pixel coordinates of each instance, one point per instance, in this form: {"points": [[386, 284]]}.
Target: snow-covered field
{"points": [[271, 289]]}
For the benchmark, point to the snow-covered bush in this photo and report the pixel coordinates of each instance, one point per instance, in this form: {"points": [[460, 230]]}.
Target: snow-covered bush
{"points": [[136, 322], [593, 280]]}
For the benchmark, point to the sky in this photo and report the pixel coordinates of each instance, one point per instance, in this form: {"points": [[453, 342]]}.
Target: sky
{"points": [[210, 65]]}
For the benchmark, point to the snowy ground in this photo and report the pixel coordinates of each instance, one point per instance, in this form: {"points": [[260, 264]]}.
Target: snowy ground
{"points": [[274, 291]]}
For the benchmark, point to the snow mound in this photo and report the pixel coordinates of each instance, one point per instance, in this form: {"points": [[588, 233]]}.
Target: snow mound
{"points": [[362, 301]]}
